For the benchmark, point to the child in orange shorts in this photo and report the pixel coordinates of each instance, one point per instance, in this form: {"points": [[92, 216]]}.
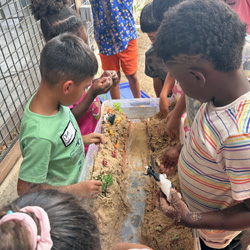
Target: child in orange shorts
{"points": [[115, 34]]}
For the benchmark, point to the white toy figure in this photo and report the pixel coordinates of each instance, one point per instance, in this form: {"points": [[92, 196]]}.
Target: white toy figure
{"points": [[162, 181]]}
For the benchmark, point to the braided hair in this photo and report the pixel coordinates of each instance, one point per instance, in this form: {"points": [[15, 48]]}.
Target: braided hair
{"points": [[56, 17]]}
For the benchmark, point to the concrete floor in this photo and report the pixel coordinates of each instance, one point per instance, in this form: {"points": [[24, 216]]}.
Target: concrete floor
{"points": [[8, 188]]}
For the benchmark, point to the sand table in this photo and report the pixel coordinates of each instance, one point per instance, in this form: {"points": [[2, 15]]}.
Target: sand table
{"points": [[125, 209], [158, 231]]}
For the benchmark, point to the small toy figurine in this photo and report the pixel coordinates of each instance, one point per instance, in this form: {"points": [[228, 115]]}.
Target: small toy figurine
{"points": [[117, 143], [105, 117], [117, 120], [111, 119], [161, 179], [114, 154], [104, 162]]}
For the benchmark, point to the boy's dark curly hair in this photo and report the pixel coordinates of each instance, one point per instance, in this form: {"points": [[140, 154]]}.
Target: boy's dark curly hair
{"points": [[210, 29], [56, 17], [161, 6], [147, 21]]}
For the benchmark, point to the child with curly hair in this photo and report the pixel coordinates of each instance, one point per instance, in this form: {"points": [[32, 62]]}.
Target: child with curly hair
{"points": [[178, 121], [214, 161]]}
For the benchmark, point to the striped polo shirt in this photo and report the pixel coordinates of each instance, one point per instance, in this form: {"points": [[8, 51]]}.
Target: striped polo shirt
{"points": [[214, 165]]}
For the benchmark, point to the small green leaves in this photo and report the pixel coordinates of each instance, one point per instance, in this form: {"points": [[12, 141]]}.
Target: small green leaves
{"points": [[117, 106]]}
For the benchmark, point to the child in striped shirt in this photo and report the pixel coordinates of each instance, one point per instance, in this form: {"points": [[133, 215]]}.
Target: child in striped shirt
{"points": [[214, 164]]}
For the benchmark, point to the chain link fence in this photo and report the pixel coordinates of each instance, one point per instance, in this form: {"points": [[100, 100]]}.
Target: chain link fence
{"points": [[21, 42]]}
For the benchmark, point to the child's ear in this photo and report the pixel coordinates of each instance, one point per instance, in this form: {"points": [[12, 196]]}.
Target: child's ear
{"points": [[198, 77], [67, 86]]}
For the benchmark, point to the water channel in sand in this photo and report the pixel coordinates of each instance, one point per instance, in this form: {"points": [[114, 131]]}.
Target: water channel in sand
{"points": [[137, 158]]}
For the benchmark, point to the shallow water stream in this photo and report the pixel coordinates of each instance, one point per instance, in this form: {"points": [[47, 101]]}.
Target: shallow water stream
{"points": [[137, 157]]}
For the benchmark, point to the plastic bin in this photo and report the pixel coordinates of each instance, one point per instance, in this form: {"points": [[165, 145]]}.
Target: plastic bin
{"points": [[136, 110], [125, 91]]}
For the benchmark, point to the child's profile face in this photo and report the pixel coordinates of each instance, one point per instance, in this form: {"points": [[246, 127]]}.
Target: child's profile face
{"points": [[152, 36], [76, 92]]}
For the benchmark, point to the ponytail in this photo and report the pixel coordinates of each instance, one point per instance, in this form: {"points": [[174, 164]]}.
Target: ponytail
{"points": [[73, 224], [13, 235], [27, 236]]}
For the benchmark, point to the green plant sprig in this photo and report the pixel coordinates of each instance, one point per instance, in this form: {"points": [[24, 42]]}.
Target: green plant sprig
{"points": [[117, 106]]}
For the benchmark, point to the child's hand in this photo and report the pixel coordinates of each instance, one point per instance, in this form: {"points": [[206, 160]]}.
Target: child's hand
{"points": [[169, 159], [164, 105], [93, 138], [173, 125], [88, 189], [101, 85], [112, 74], [177, 211], [128, 245]]}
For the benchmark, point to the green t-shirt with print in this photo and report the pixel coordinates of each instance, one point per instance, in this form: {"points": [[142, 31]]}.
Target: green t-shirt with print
{"points": [[52, 148]]}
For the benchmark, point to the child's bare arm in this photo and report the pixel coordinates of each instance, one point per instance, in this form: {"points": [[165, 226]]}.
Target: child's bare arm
{"points": [[164, 102], [100, 86], [170, 158], [83, 189], [233, 218], [174, 117], [24, 187], [93, 138], [157, 86]]}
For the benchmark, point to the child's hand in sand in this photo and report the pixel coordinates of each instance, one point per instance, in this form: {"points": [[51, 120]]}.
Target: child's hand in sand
{"points": [[164, 105], [88, 189], [101, 85], [170, 159], [178, 210], [93, 138], [173, 125]]}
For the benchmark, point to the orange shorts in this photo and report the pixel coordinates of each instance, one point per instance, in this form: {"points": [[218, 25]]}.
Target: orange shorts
{"points": [[128, 59]]}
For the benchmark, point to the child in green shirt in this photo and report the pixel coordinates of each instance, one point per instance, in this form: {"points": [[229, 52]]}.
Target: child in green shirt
{"points": [[50, 139]]}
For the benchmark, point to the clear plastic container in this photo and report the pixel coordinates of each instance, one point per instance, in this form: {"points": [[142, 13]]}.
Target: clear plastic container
{"points": [[135, 109]]}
